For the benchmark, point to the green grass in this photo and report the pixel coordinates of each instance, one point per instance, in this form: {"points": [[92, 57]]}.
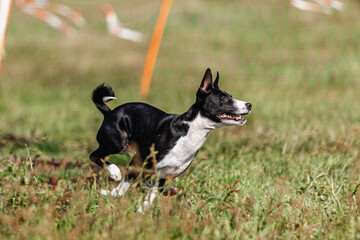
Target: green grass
{"points": [[292, 172]]}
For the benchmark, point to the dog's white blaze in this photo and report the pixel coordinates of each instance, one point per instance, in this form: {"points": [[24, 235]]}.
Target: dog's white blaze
{"points": [[180, 157], [241, 107]]}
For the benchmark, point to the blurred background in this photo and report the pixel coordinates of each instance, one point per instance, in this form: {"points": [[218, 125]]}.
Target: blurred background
{"points": [[298, 68], [291, 172]]}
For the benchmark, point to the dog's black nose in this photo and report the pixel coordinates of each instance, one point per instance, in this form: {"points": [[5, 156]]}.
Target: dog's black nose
{"points": [[248, 105]]}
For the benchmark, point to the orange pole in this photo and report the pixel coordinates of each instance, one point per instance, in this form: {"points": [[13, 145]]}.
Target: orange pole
{"points": [[154, 47], [2, 38]]}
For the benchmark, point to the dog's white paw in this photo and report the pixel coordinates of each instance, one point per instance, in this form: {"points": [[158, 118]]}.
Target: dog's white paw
{"points": [[120, 190], [140, 210], [114, 172], [149, 199], [116, 193], [104, 192], [144, 207]]}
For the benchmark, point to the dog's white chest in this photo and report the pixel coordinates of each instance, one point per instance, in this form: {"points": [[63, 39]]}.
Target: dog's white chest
{"points": [[180, 157]]}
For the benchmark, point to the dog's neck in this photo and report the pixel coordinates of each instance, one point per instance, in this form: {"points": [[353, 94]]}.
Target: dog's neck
{"points": [[190, 114], [180, 156], [194, 117]]}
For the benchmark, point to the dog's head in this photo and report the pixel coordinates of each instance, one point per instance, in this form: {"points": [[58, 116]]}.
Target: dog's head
{"points": [[218, 105]]}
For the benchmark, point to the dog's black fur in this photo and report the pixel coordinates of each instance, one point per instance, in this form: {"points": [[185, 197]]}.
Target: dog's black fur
{"points": [[145, 125]]}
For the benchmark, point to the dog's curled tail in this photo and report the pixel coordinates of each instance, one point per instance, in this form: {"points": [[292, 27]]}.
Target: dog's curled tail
{"points": [[102, 94]]}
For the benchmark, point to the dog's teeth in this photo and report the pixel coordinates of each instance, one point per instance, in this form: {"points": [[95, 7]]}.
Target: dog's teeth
{"points": [[234, 117]]}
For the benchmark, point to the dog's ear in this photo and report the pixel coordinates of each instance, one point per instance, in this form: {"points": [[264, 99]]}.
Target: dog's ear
{"points": [[206, 83], [216, 82]]}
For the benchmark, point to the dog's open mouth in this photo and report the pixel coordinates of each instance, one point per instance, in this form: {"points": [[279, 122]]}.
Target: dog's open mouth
{"points": [[232, 117]]}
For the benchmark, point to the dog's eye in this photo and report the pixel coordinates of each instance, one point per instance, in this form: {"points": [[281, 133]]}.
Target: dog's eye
{"points": [[224, 98]]}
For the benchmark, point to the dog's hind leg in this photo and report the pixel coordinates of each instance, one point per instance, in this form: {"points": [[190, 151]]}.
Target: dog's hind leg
{"points": [[98, 157], [149, 199], [119, 191]]}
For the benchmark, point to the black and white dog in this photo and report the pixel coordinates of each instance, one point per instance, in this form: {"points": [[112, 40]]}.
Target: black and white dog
{"points": [[136, 126]]}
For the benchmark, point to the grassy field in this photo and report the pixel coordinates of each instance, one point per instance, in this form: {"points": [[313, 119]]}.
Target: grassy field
{"points": [[292, 172]]}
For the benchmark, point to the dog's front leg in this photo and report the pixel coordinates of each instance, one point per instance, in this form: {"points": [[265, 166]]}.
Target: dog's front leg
{"points": [[114, 171], [98, 157], [149, 198]]}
